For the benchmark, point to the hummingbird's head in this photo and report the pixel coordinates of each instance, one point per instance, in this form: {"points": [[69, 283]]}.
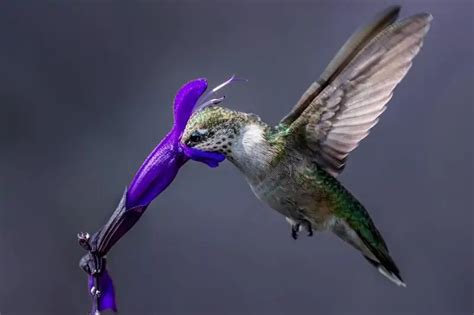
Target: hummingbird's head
{"points": [[215, 129], [240, 137]]}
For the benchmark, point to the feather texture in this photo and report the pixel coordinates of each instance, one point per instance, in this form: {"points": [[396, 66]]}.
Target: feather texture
{"points": [[345, 54], [343, 113]]}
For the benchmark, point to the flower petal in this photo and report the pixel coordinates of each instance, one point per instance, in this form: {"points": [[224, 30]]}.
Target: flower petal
{"points": [[185, 101], [212, 159]]}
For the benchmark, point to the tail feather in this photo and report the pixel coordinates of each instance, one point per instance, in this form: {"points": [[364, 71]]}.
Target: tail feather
{"points": [[384, 263], [375, 252], [353, 224], [393, 276]]}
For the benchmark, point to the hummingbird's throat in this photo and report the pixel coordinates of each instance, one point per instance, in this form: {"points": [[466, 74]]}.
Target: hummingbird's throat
{"points": [[251, 152]]}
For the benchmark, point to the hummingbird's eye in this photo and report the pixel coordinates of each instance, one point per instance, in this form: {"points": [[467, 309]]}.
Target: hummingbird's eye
{"points": [[197, 135]]}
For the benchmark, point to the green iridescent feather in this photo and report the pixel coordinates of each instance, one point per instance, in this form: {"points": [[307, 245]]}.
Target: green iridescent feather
{"points": [[347, 207]]}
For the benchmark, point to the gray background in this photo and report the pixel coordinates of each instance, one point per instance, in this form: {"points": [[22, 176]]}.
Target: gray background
{"points": [[86, 92]]}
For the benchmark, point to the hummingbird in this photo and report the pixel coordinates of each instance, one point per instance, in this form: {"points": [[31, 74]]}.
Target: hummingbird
{"points": [[293, 166]]}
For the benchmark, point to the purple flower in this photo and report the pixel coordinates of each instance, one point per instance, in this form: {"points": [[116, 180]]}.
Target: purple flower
{"points": [[161, 166], [156, 173]]}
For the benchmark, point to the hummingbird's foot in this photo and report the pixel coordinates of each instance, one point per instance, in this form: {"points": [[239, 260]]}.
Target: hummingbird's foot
{"points": [[295, 228], [307, 227]]}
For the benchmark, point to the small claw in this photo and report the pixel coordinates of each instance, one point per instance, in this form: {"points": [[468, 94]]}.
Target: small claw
{"points": [[307, 226], [297, 226], [294, 231]]}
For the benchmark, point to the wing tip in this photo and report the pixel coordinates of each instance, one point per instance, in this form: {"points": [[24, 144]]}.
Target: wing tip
{"points": [[393, 10], [424, 17], [390, 14], [417, 24]]}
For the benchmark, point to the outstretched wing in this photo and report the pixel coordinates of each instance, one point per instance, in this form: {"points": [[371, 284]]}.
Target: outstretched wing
{"points": [[345, 54], [355, 88]]}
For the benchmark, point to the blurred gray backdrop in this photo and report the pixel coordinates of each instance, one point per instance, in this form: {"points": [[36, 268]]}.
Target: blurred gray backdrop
{"points": [[86, 92]]}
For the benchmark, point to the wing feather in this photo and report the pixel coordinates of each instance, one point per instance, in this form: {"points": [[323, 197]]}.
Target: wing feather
{"points": [[345, 54], [342, 114]]}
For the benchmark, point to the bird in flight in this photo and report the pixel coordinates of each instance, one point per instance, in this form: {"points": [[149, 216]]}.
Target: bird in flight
{"points": [[293, 166]]}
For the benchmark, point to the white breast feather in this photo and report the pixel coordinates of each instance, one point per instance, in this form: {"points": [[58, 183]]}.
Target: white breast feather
{"points": [[252, 138], [251, 152]]}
